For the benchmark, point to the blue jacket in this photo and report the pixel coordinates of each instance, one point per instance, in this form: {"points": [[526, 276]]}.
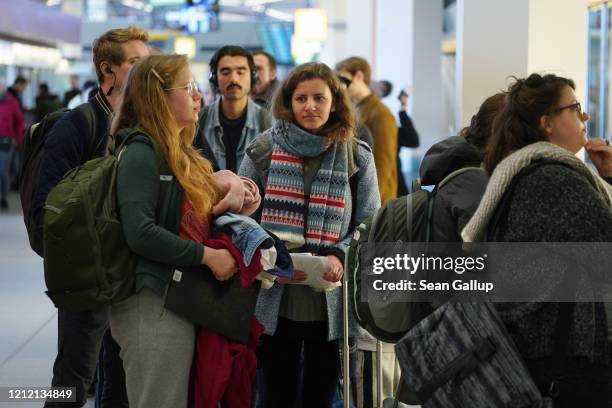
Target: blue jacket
{"points": [[209, 127], [247, 235], [255, 165]]}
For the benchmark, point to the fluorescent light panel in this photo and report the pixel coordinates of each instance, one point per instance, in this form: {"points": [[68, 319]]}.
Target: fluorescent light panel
{"points": [[279, 14]]}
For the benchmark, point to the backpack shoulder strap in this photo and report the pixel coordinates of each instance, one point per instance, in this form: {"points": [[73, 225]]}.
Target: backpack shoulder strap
{"points": [[353, 182], [95, 140], [456, 173]]}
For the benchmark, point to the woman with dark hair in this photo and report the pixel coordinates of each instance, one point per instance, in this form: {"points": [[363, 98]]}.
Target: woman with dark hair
{"points": [[306, 166], [539, 191], [456, 202]]}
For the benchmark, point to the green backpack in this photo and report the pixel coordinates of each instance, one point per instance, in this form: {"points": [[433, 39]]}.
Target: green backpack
{"points": [[401, 220], [88, 264]]}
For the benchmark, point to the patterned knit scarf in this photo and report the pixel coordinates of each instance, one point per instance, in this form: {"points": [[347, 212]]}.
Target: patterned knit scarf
{"points": [[511, 166], [284, 206]]}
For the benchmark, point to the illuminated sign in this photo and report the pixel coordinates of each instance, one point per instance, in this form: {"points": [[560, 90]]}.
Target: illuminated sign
{"points": [[199, 18]]}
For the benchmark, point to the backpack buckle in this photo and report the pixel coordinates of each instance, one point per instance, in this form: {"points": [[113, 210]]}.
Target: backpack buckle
{"points": [[553, 389]]}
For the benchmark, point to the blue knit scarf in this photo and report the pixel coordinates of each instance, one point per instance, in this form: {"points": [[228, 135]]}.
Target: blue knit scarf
{"points": [[284, 206]]}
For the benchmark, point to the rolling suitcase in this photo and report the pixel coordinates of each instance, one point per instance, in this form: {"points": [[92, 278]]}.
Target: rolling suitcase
{"points": [[392, 402]]}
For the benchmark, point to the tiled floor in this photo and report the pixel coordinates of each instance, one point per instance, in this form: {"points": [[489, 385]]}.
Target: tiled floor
{"points": [[28, 319]]}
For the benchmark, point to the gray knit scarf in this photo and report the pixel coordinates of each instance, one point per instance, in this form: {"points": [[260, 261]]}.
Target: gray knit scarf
{"points": [[512, 165]]}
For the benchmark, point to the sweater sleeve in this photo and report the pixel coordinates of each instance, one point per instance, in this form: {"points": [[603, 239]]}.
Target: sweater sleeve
{"points": [[407, 134], [249, 170], [137, 197]]}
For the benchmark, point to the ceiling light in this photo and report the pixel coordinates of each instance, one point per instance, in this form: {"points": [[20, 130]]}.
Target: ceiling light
{"points": [[134, 4], [185, 45], [251, 3], [279, 14], [311, 24]]}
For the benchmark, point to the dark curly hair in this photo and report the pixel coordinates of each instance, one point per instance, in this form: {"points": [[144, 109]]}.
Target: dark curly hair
{"points": [[518, 123], [479, 132]]}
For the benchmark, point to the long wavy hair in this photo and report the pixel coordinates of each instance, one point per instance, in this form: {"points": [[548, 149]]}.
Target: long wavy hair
{"points": [[518, 123], [145, 105], [340, 127]]}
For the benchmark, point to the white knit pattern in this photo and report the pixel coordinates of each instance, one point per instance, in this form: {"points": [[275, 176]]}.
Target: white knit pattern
{"points": [[512, 165]]}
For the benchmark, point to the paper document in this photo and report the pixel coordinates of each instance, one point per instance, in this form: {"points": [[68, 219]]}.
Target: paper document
{"points": [[315, 267]]}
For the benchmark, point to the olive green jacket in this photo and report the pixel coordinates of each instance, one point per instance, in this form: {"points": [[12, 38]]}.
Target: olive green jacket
{"points": [[149, 200]]}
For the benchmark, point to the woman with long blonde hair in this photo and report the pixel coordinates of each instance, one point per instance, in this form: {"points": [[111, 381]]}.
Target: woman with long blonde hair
{"points": [[165, 193]]}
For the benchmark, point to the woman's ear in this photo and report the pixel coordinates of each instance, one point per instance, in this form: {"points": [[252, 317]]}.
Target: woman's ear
{"points": [[546, 124]]}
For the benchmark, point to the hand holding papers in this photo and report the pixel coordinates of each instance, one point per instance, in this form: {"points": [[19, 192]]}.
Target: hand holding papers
{"points": [[314, 267]]}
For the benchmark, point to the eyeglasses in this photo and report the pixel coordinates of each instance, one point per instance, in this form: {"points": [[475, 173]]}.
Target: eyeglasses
{"points": [[191, 87], [574, 106], [345, 80]]}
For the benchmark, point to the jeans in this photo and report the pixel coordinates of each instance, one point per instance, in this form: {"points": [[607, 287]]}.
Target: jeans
{"points": [[281, 358], [111, 391], [79, 340], [15, 164], [247, 235], [5, 159]]}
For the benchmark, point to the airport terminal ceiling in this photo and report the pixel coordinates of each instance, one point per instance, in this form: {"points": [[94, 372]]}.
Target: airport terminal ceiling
{"points": [[273, 9]]}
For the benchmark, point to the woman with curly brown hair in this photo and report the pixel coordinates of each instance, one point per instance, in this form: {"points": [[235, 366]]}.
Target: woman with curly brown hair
{"points": [[303, 165]]}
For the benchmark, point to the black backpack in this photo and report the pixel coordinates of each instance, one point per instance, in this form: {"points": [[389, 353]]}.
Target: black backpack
{"points": [[401, 220], [33, 153]]}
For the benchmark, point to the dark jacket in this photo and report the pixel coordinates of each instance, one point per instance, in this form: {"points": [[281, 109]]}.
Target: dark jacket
{"points": [[68, 145], [407, 135], [457, 201], [70, 94], [562, 206], [46, 104], [151, 224]]}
